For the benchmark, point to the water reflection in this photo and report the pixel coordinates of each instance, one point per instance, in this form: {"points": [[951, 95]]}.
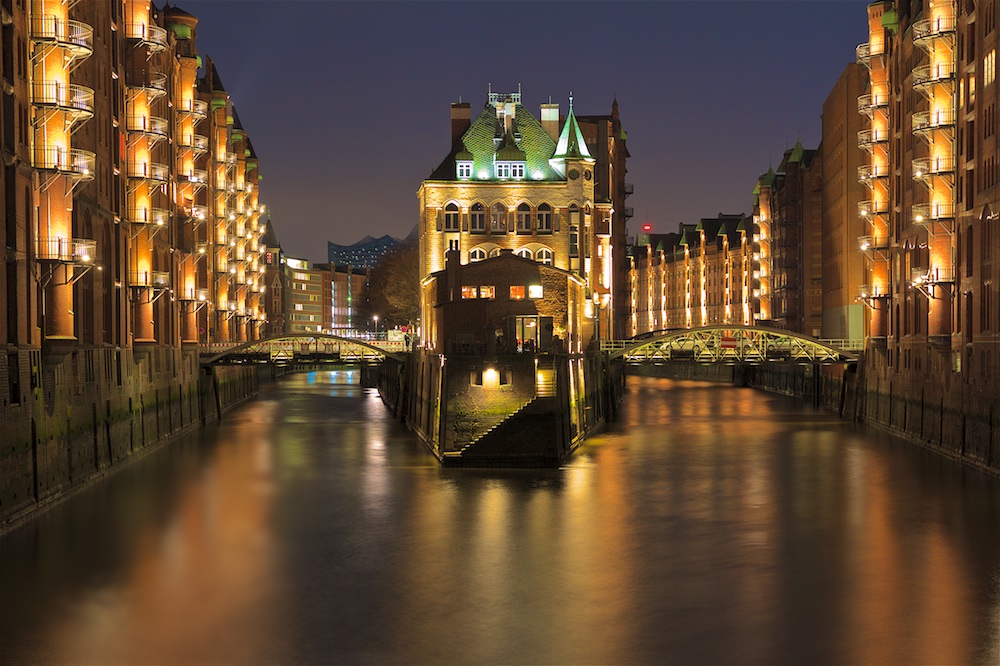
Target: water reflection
{"points": [[712, 524]]}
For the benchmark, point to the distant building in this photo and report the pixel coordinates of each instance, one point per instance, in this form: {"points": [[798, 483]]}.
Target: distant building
{"points": [[365, 254], [704, 274], [307, 296], [788, 213]]}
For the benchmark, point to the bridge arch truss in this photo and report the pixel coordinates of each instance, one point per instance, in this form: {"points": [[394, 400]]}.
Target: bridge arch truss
{"points": [[727, 344], [295, 346]]}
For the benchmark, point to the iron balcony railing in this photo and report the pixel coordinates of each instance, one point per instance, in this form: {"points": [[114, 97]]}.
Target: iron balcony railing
{"points": [[928, 75], [66, 250], [74, 36], [866, 243], [152, 126], [933, 28], [868, 102], [925, 121], [872, 207], [196, 142], [194, 107], [194, 294], [68, 97], [196, 176], [934, 166], [70, 161], [924, 213], [867, 173], [149, 215], [869, 137], [145, 279], [199, 212], [151, 82], [201, 248], [148, 171], [153, 36]]}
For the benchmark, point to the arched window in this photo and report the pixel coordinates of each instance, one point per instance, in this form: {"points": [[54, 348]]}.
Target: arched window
{"points": [[524, 219], [477, 254], [451, 217], [477, 218], [545, 256], [498, 219], [495, 252], [574, 231], [524, 252], [544, 219]]}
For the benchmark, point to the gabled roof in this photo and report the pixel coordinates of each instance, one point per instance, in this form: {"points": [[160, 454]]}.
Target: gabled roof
{"points": [[571, 143]]}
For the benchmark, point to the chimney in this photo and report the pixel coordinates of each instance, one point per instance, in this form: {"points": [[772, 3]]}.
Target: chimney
{"points": [[550, 119], [461, 119]]}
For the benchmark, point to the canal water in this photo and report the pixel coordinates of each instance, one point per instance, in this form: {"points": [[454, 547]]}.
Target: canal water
{"points": [[709, 525]]}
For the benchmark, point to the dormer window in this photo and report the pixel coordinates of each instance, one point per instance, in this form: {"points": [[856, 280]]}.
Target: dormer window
{"points": [[509, 170], [464, 170]]}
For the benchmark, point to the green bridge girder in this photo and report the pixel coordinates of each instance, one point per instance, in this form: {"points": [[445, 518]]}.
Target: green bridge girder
{"points": [[727, 344], [288, 346]]}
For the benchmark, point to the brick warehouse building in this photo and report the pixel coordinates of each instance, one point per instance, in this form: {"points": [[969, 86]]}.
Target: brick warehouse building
{"points": [[551, 190], [132, 226]]}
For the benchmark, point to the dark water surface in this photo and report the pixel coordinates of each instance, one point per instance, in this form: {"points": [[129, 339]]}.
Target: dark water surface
{"points": [[710, 525]]}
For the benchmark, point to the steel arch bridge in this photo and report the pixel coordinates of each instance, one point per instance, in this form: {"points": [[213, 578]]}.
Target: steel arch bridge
{"points": [[727, 344], [296, 346]]}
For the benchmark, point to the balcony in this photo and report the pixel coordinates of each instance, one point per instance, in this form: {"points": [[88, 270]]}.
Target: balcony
{"points": [[230, 158], [153, 36], [199, 212], [201, 248], [868, 138], [196, 177], [154, 216], [148, 171], [146, 279], [925, 32], [868, 292], [869, 173], [78, 164], [929, 75], [867, 208], [928, 121], [194, 107], [927, 281], [70, 98], [925, 213], [152, 83], [80, 251], [937, 166], [76, 38], [870, 243], [629, 189], [192, 294], [151, 126], [196, 143], [868, 103], [628, 212]]}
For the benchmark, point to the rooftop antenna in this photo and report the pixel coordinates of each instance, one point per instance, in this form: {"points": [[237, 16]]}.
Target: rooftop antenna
{"points": [[570, 99]]}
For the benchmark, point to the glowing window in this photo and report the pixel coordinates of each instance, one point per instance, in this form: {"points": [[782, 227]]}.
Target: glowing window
{"points": [[524, 252], [478, 254], [477, 219], [495, 252], [517, 293], [524, 219], [989, 67], [498, 219], [468, 291], [488, 291], [544, 219], [464, 170], [451, 217], [545, 256], [517, 170], [503, 169], [534, 291]]}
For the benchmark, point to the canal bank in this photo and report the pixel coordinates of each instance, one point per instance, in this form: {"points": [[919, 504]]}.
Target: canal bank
{"points": [[77, 416], [960, 421]]}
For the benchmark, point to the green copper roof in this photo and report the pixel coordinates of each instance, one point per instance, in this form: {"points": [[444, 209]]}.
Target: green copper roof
{"points": [[890, 20], [509, 152], [756, 188], [796, 155], [571, 143], [463, 155], [768, 178], [526, 141]]}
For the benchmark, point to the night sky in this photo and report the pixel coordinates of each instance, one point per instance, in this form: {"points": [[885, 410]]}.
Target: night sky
{"points": [[347, 103]]}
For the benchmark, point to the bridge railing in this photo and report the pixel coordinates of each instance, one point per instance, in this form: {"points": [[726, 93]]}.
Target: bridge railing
{"points": [[289, 349]]}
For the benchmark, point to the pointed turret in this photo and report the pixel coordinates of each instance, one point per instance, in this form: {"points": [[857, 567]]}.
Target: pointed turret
{"points": [[571, 144]]}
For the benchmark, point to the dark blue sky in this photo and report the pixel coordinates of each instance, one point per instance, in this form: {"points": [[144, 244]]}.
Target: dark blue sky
{"points": [[347, 103]]}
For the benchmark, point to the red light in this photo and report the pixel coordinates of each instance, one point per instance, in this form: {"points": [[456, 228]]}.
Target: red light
{"points": [[647, 228]]}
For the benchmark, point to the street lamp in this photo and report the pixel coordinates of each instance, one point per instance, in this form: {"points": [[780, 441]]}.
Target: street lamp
{"points": [[375, 317]]}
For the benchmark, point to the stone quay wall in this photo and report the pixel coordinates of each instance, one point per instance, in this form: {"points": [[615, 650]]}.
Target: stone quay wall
{"points": [[960, 420], [69, 419], [513, 424]]}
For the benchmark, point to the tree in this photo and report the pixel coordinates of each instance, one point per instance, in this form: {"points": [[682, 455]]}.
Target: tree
{"points": [[394, 287]]}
